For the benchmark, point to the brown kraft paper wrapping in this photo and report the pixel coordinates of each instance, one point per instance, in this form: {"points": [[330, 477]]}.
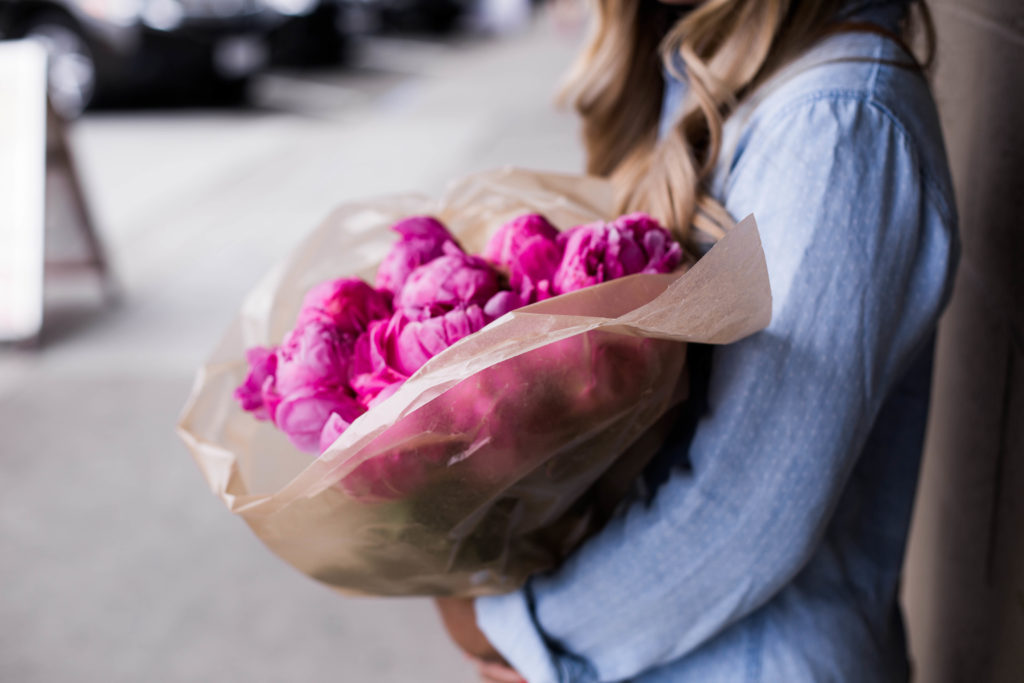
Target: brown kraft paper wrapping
{"points": [[529, 428]]}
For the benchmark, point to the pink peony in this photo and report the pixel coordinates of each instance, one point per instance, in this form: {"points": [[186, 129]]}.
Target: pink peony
{"points": [[394, 475], [257, 394], [419, 341], [304, 412], [370, 375], [662, 252], [452, 280], [534, 270], [314, 353], [566, 387], [599, 252], [506, 244], [333, 428], [595, 253], [348, 303], [528, 246], [311, 382], [501, 303], [337, 423], [390, 352], [423, 239]]}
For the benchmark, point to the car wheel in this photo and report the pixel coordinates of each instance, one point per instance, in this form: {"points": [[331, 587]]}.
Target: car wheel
{"points": [[71, 71]]}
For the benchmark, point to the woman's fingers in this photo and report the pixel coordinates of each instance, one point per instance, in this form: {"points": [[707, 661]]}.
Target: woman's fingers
{"points": [[492, 672]]}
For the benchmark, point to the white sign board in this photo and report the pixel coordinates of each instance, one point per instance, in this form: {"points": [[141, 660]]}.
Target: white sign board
{"points": [[22, 187]]}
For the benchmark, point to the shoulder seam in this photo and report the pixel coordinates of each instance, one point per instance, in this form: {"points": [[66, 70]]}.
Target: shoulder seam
{"points": [[866, 98]]}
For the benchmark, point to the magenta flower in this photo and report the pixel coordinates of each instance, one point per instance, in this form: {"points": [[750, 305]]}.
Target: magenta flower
{"points": [[348, 303], [534, 270], [337, 423], [449, 281], [257, 394], [404, 346], [407, 468], [303, 413], [528, 246], [595, 253], [302, 382], [390, 352], [501, 303], [371, 377], [661, 251], [417, 341], [599, 252], [314, 353], [507, 243], [394, 475], [423, 239]]}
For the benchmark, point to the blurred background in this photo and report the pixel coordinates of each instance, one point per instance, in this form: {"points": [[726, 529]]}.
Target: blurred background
{"points": [[202, 140], [210, 136]]}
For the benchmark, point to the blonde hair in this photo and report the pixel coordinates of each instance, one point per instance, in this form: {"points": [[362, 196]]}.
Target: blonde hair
{"points": [[728, 47]]}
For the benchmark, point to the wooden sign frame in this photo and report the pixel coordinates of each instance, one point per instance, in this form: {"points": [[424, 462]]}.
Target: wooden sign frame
{"points": [[36, 150]]}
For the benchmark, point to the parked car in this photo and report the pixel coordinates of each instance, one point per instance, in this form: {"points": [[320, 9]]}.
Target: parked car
{"points": [[431, 15], [317, 35], [104, 48]]}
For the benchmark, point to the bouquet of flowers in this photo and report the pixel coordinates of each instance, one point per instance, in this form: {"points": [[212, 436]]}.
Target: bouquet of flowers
{"points": [[446, 430], [354, 345]]}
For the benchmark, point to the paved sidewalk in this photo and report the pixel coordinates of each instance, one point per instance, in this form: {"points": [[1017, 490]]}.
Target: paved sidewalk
{"points": [[116, 562]]}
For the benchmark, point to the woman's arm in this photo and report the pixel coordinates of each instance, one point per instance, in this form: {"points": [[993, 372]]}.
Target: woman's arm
{"points": [[859, 260]]}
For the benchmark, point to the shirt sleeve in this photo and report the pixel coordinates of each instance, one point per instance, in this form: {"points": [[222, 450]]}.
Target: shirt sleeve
{"points": [[859, 276]]}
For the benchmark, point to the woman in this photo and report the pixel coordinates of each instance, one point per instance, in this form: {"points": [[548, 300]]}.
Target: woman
{"points": [[770, 544]]}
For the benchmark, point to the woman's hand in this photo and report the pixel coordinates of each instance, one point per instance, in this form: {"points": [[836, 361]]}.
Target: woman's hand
{"points": [[493, 672], [459, 617]]}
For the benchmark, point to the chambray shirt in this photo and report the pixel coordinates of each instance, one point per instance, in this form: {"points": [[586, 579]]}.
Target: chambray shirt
{"points": [[771, 545]]}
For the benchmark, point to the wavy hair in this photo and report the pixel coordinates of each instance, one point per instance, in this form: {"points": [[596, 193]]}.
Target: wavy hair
{"points": [[727, 48]]}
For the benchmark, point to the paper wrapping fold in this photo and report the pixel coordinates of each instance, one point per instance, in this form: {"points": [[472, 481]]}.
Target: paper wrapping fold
{"points": [[558, 391]]}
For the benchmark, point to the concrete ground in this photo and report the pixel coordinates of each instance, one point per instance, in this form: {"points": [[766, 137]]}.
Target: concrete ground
{"points": [[116, 562]]}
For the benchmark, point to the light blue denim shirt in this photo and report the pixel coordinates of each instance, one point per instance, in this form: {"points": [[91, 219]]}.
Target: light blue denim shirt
{"points": [[771, 549]]}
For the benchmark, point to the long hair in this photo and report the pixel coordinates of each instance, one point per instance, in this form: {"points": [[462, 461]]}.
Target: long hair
{"points": [[728, 47]]}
